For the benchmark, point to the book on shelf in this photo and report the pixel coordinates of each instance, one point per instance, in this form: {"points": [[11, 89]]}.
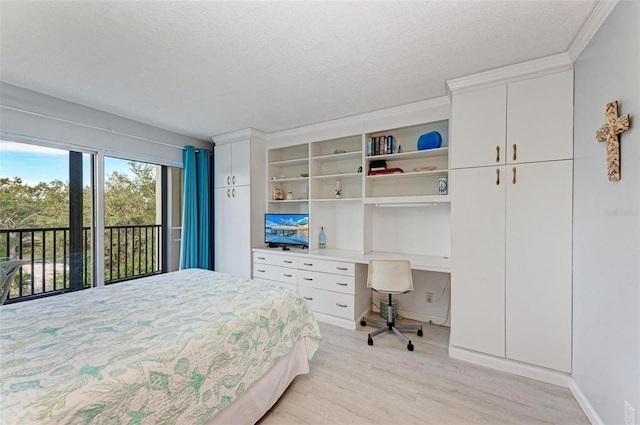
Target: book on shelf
{"points": [[385, 171], [381, 145]]}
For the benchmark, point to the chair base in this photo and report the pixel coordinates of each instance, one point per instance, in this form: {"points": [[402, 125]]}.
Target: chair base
{"points": [[392, 327]]}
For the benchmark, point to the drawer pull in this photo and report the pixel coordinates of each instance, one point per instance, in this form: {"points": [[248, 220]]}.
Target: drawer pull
{"points": [[307, 278], [261, 271], [308, 298], [341, 305], [341, 284], [342, 268], [308, 264], [288, 261], [287, 275], [261, 258]]}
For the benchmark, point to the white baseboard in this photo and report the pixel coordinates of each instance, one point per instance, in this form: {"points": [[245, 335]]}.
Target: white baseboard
{"points": [[335, 321], [584, 403], [511, 366]]}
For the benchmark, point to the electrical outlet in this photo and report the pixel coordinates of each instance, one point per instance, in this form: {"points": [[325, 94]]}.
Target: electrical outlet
{"points": [[629, 414], [429, 297]]}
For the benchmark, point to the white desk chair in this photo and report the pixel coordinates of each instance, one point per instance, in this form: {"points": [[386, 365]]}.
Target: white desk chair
{"points": [[8, 270], [390, 277]]}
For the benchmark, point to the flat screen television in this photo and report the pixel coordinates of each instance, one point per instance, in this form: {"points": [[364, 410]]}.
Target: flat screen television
{"points": [[286, 229]]}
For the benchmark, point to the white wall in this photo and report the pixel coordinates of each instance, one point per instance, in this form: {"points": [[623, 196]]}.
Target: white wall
{"points": [[606, 256], [38, 116]]}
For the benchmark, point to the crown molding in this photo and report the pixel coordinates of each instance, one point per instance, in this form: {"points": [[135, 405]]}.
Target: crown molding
{"points": [[590, 27], [235, 136], [536, 67], [358, 120]]}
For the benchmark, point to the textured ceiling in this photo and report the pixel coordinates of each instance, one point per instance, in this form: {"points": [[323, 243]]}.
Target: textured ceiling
{"points": [[207, 68]]}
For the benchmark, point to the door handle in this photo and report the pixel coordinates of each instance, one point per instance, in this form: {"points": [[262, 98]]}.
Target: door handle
{"points": [[228, 179], [288, 262], [261, 258], [233, 179], [233, 193], [515, 150], [342, 268], [261, 271], [341, 305], [287, 275], [228, 193], [341, 284], [307, 278], [514, 175], [308, 298], [498, 177], [308, 264], [497, 153]]}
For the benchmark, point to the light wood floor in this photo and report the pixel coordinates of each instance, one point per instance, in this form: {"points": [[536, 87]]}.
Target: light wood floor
{"points": [[353, 383]]}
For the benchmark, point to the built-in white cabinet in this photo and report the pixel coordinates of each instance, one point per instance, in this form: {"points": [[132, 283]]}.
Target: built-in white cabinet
{"points": [[238, 200], [232, 164], [478, 259], [523, 121], [511, 212]]}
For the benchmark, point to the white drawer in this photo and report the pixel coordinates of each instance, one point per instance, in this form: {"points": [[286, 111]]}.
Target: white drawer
{"points": [[280, 274], [327, 266], [282, 284], [275, 259], [328, 302], [329, 281]]}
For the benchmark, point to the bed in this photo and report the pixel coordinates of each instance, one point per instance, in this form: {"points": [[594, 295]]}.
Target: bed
{"points": [[188, 347]]}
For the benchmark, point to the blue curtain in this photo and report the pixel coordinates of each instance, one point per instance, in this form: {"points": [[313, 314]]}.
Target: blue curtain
{"points": [[196, 247]]}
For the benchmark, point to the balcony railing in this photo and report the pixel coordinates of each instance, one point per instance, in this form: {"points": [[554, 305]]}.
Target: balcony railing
{"points": [[130, 252]]}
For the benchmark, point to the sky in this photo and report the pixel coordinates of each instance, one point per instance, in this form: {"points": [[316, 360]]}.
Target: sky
{"points": [[35, 164]]}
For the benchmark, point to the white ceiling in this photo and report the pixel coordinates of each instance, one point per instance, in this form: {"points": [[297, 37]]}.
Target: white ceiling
{"points": [[207, 68]]}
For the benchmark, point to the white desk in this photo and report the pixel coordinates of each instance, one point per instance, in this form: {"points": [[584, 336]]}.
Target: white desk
{"points": [[291, 269]]}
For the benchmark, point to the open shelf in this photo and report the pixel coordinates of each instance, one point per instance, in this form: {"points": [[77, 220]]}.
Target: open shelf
{"points": [[292, 179], [290, 162], [427, 153], [409, 174], [289, 201], [338, 176], [336, 200], [417, 199], [338, 156]]}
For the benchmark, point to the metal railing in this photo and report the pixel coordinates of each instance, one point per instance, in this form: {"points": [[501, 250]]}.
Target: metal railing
{"points": [[130, 252]]}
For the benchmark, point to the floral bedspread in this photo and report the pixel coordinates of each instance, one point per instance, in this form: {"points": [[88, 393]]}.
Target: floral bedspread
{"points": [[171, 348]]}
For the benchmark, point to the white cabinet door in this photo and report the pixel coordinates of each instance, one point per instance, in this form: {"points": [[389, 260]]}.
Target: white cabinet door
{"points": [[241, 163], [222, 230], [222, 165], [538, 264], [478, 127], [540, 118], [233, 230], [478, 256]]}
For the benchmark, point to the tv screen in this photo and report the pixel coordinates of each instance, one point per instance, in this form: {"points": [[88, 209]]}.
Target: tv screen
{"points": [[286, 229]]}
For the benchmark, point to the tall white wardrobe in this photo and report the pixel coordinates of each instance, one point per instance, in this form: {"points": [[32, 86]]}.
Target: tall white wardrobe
{"points": [[239, 199], [511, 222]]}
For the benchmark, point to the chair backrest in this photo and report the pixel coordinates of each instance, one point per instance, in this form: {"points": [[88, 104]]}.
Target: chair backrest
{"points": [[390, 276], [8, 270]]}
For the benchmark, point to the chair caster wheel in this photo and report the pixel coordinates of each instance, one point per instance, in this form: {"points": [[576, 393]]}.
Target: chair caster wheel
{"points": [[370, 341], [363, 323], [420, 332], [410, 347]]}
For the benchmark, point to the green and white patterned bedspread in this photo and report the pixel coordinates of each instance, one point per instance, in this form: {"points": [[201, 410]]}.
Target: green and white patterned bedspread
{"points": [[172, 348]]}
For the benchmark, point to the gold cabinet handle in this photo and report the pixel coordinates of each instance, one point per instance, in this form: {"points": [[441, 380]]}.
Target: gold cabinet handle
{"points": [[515, 152], [341, 284], [342, 268], [514, 175], [341, 305], [498, 177], [308, 298], [497, 153]]}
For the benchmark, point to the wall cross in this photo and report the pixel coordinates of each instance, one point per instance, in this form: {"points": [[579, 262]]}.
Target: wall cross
{"points": [[609, 132]]}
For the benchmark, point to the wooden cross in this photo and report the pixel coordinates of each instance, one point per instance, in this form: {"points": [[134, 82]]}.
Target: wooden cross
{"points": [[613, 126]]}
